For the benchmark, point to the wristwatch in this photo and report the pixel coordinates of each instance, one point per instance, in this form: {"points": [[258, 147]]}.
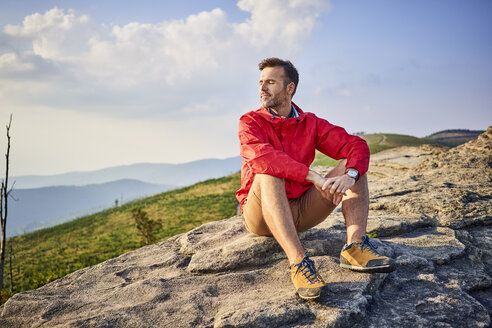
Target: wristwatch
{"points": [[353, 173]]}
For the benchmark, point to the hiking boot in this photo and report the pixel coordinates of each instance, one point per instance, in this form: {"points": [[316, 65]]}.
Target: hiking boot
{"points": [[363, 257], [307, 281]]}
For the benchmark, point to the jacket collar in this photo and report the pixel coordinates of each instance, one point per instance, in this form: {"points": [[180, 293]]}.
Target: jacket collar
{"points": [[266, 112]]}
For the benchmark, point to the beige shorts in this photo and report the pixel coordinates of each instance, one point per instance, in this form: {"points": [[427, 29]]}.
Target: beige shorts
{"points": [[308, 210]]}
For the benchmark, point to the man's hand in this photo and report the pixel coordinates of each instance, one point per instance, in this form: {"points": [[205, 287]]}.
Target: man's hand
{"points": [[331, 188], [338, 186]]}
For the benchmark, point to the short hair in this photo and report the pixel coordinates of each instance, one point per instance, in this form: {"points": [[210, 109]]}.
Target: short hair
{"points": [[290, 71]]}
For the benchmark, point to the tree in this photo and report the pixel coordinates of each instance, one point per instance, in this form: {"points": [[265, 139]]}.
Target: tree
{"points": [[4, 195], [147, 227]]}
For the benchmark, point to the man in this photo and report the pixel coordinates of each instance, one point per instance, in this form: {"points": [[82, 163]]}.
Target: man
{"points": [[281, 196]]}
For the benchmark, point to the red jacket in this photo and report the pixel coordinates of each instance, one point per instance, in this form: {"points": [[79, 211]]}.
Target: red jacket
{"points": [[285, 148]]}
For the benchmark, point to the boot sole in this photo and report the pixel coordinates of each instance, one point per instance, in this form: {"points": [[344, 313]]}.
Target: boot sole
{"points": [[308, 297], [378, 269]]}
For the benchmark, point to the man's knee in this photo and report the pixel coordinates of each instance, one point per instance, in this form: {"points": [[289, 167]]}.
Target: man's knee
{"points": [[360, 188], [265, 181], [254, 221], [266, 178], [260, 231]]}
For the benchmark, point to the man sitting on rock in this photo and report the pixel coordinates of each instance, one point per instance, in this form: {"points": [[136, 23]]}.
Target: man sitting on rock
{"points": [[281, 196]]}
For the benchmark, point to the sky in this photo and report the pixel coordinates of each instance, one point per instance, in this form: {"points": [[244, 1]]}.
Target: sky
{"points": [[94, 84]]}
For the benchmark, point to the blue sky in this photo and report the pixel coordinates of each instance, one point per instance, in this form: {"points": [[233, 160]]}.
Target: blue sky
{"points": [[93, 84]]}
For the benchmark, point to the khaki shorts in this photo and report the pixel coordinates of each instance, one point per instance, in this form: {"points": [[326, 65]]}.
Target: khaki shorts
{"points": [[308, 210]]}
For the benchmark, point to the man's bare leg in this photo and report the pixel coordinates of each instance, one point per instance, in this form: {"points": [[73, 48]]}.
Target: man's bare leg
{"points": [[268, 196], [278, 216], [355, 206], [361, 256]]}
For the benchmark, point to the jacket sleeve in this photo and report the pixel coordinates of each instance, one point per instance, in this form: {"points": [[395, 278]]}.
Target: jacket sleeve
{"points": [[262, 157], [336, 143]]}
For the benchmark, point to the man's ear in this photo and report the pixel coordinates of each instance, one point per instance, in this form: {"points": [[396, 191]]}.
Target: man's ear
{"points": [[290, 88]]}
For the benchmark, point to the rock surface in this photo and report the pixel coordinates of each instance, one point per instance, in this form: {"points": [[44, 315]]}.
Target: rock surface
{"points": [[429, 209]]}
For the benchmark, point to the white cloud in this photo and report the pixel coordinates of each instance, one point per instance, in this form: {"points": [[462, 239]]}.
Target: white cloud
{"points": [[54, 35], [175, 78], [52, 19], [169, 52], [280, 22], [12, 62], [202, 56]]}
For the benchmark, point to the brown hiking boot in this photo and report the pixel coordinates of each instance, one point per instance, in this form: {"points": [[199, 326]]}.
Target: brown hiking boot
{"points": [[363, 257], [307, 281]]}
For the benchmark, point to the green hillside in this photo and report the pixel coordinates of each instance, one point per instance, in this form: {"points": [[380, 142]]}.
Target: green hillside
{"points": [[382, 141], [48, 254], [378, 142]]}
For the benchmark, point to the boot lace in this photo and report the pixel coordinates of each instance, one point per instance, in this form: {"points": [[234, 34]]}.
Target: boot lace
{"points": [[306, 268], [366, 244]]}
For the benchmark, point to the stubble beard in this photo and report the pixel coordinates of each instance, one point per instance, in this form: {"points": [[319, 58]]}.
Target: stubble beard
{"points": [[274, 102]]}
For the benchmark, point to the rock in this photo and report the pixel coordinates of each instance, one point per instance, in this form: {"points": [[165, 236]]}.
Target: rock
{"points": [[429, 209], [433, 244], [382, 223], [452, 188], [407, 299]]}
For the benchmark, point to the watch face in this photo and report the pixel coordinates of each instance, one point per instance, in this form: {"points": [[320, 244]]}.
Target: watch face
{"points": [[352, 174]]}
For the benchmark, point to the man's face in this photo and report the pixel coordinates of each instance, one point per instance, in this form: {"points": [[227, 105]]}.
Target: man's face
{"points": [[273, 93]]}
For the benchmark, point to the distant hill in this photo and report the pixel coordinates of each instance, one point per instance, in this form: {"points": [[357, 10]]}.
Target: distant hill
{"points": [[382, 141], [31, 209], [43, 201], [183, 174], [453, 138], [378, 142]]}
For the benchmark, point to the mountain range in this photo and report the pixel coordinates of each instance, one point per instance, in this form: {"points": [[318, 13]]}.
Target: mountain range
{"points": [[157, 173], [32, 209], [43, 201]]}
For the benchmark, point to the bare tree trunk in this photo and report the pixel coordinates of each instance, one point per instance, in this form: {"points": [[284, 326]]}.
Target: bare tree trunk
{"points": [[3, 212], [2, 240]]}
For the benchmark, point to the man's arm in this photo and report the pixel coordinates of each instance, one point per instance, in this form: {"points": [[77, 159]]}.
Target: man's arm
{"points": [[336, 143]]}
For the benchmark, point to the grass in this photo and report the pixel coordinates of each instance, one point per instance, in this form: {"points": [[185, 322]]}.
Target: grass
{"points": [[321, 159]]}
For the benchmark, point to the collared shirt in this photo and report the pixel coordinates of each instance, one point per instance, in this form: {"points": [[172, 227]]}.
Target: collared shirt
{"points": [[293, 114]]}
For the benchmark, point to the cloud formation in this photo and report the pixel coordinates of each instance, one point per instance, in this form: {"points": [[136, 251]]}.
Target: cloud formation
{"points": [[67, 61]]}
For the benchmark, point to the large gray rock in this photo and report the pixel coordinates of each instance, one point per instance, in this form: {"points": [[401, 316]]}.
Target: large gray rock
{"points": [[430, 210]]}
